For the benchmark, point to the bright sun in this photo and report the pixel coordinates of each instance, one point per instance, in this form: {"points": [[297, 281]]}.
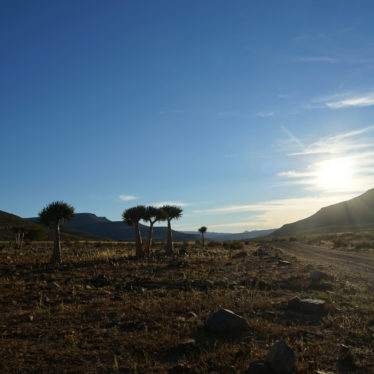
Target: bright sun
{"points": [[335, 174]]}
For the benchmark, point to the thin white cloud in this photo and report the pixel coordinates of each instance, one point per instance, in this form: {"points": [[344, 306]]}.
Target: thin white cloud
{"points": [[338, 144], [326, 59], [228, 114], [347, 165], [174, 203], [275, 213], [352, 102], [127, 197], [264, 114]]}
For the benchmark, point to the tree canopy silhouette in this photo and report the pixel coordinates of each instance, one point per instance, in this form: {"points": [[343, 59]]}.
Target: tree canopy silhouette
{"points": [[53, 215], [131, 217], [171, 212], [203, 230]]}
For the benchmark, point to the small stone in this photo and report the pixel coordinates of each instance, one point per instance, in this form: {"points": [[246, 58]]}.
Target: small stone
{"points": [[281, 358], [317, 275], [191, 314], [53, 286], [258, 367], [284, 263], [226, 321], [306, 304]]}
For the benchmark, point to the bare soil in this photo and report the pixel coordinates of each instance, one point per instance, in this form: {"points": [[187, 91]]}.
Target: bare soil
{"points": [[103, 311]]}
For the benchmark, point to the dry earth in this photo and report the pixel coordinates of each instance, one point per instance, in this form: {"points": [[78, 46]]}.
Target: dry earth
{"points": [[103, 311]]}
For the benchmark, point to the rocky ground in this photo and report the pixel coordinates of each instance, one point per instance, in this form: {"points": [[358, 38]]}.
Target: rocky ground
{"points": [[103, 311]]}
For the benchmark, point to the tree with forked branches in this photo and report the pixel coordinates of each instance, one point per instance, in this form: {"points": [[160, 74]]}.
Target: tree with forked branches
{"points": [[53, 215], [152, 215], [202, 231], [131, 217], [171, 212]]}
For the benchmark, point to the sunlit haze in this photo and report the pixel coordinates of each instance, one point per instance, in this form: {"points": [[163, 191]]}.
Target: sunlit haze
{"points": [[247, 114]]}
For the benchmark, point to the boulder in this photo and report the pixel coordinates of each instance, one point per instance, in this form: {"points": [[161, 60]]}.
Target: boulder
{"points": [[317, 275], [226, 321], [306, 304], [281, 358]]}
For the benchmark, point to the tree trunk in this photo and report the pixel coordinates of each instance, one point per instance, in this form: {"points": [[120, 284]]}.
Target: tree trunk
{"points": [[169, 246], [138, 241], [147, 246], [202, 239], [56, 256]]}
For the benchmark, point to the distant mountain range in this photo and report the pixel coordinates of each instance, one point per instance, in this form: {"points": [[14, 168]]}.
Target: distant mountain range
{"points": [[9, 221], [230, 236], [352, 215], [117, 230]]}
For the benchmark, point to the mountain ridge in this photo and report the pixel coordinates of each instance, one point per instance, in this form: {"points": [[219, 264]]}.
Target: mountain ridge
{"points": [[354, 214]]}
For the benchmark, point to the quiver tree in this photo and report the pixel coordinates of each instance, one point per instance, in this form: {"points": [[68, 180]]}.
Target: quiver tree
{"points": [[131, 217], [19, 233], [152, 215], [171, 212], [202, 231], [53, 215]]}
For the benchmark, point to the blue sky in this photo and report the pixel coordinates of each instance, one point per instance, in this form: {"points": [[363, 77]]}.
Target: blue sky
{"points": [[249, 114]]}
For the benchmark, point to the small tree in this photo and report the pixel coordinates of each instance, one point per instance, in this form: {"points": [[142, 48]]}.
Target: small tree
{"points": [[152, 215], [53, 215], [131, 217], [19, 233], [203, 230], [171, 212]]}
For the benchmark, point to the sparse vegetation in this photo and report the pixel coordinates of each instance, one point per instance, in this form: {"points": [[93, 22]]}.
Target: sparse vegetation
{"points": [[104, 310], [53, 215], [202, 231]]}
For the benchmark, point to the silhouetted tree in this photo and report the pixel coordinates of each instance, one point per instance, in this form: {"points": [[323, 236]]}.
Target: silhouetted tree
{"points": [[131, 217], [152, 215], [203, 230], [171, 212], [19, 233], [53, 215]]}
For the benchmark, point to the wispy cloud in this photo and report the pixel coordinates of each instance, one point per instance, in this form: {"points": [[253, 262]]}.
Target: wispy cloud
{"points": [[351, 102], [228, 114], [338, 144], [127, 197], [265, 114], [326, 59], [347, 164], [175, 203], [342, 100], [274, 213]]}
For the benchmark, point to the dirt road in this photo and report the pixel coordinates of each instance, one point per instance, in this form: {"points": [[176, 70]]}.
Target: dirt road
{"points": [[355, 266]]}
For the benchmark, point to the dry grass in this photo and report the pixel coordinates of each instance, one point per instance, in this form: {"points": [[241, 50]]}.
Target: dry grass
{"points": [[103, 311]]}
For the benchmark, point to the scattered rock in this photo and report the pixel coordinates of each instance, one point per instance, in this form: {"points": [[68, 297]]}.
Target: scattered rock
{"points": [[100, 280], [240, 255], [317, 275], [260, 252], [346, 359], [258, 367], [226, 321], [306, 304], [281, 358], [191, 315], [53, 286], [180, 369], [284, 263]]}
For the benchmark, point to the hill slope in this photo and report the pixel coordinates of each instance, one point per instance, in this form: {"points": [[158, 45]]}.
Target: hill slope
{"points": [[233, 236], [354, 214], [8, 221], [118, 230]]}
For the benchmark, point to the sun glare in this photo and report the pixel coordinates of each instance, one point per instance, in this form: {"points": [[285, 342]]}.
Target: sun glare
{"points": [[335, 174]]}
